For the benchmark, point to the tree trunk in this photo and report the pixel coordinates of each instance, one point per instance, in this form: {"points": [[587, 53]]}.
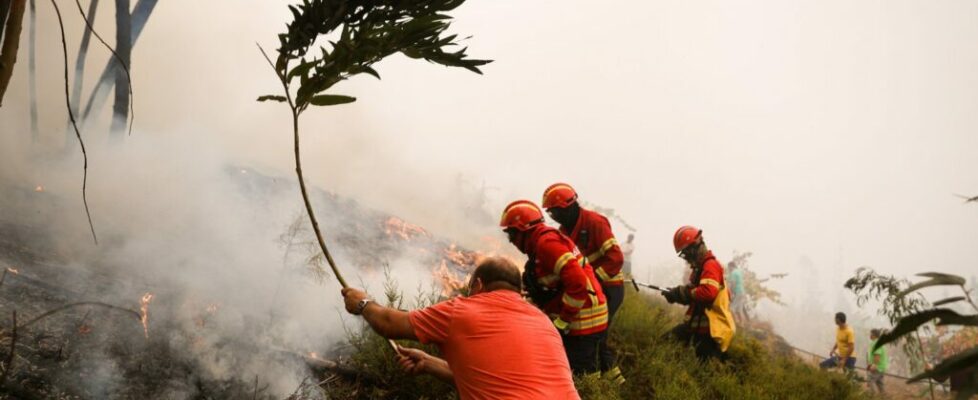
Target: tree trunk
{"points": [[76, 87], [4, 11], [123, 46], [100, 92], [32, 69], [11, 41]]}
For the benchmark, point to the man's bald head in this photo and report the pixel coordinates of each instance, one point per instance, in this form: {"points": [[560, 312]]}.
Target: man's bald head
{"points": [[495, 273]]}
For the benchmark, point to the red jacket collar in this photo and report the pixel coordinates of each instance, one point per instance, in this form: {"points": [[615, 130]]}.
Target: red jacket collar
{"points": [[707, 257], [533, 237], [581, 217]]}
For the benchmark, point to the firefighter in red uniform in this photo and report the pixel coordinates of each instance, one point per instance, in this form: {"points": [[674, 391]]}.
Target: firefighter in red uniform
{"points": [[705, 295], [591, 232], [559, 282]]}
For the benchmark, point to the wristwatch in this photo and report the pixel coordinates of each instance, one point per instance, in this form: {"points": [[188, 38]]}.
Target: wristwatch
{"points": [[361, 305]]}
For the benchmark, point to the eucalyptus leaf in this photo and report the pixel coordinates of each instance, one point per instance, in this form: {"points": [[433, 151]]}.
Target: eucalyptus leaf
{"points": [[272, 97], [948, 300], [936, 279], [330, 100], [911, 322], [957, 362]]}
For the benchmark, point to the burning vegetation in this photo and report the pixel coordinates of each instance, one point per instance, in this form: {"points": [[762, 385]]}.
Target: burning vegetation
{"points": [[179, 342]]}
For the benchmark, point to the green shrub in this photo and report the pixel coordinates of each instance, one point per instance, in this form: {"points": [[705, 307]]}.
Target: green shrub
{"points": [[657, 367]]}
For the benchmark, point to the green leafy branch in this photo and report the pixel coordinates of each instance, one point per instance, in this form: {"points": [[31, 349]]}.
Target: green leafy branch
{"points": [[907, 307], [941, 317], [368, 31]]}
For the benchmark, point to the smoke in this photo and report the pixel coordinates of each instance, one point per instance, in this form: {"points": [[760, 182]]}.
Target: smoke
{"points": [[177, 218], [779, 130]]}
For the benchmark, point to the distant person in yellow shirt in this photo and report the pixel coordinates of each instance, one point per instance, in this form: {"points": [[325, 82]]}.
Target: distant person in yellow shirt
{"points": [[844, 348]]}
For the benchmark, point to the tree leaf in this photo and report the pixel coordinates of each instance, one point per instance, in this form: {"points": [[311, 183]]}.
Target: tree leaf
{"points": [[272, 97], [948, 300], [331, 100], [941, 275], [936, 279], [911, 322]]}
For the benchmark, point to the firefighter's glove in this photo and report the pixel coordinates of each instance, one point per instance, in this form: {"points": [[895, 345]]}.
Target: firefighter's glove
{"points": [[562, 326], [678, 294]]}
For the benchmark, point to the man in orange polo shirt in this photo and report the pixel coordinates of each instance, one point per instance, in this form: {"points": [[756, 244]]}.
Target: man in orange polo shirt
{"points": [[494, 344]]}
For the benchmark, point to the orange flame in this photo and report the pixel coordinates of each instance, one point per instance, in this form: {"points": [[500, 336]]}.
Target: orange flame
{"points": [[84, 329], [395, 226], [450, 283], [39, 189], [463, 258], [144, 312]]}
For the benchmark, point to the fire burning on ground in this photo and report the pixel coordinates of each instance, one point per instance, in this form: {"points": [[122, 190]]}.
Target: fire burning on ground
{"points": [[455, 268], [404, 230], [144, 312], [451, 284]]}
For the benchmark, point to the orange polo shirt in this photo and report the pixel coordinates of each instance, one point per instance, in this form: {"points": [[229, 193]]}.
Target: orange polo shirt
{"points": [[498, 346]]}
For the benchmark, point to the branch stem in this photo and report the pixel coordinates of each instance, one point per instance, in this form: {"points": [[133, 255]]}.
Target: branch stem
{"points": [[296, 111]]}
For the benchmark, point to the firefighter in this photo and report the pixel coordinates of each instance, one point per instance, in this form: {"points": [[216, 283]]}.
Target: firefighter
{"points": [[708, 326], [558, 281], [591, 232]]}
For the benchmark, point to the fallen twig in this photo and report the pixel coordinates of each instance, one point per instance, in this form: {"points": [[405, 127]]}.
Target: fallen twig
{"points": [[79, 304]]}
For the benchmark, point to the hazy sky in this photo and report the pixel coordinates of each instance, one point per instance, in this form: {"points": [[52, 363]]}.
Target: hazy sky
{"points": [[821, 128]]}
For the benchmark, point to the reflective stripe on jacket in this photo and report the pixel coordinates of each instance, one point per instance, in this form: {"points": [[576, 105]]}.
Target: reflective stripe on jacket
{"points": [[560, 266]]}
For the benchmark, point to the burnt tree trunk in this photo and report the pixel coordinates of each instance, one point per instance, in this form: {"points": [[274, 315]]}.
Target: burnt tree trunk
{"points": [[76, 86], [123, 46], [100, 92], [11, 41]]}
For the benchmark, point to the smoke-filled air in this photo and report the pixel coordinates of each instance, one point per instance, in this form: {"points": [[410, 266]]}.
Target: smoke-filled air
{"points": [[473, 199]]}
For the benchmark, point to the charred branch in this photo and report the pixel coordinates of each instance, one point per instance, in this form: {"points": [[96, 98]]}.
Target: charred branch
{"points": [[79, 304]]}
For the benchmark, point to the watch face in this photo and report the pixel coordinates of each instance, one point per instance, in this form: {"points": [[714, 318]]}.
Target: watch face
{"points": [[362, 304]]}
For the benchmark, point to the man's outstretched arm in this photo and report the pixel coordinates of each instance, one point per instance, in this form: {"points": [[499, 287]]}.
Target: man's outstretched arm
{"points": [[389, 322]]}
